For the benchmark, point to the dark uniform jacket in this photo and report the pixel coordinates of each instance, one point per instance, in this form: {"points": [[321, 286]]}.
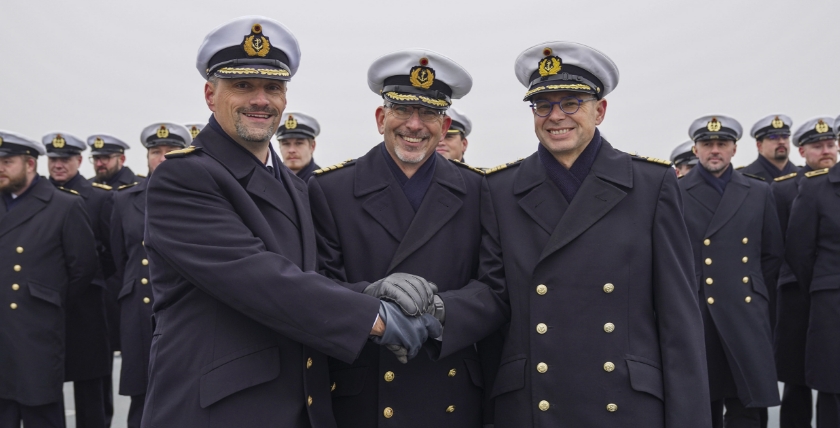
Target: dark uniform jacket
{"points": [[367, 229], [766, 170], [604, 329], [307, 171], [791, 303], [737, 254], [88, 353], [243, 324], [48, 257], [813, 251], [135, 297], [124, 176]]}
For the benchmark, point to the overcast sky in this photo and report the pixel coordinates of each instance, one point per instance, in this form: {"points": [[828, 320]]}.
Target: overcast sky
{"points": [[86, 67]]}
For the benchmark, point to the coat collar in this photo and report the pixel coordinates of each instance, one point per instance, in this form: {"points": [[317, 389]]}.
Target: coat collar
{"points": [[35, 200]]}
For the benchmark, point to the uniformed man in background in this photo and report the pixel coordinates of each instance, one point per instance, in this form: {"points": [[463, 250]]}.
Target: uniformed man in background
{"points": [[772, 138], [195, 129], [296, 137], [403, 208], [454, 143], [683, 158], [135, 297], [88, 352], [819, 149], [587, 244], [813, 252], [734, 230], [48, 258]]}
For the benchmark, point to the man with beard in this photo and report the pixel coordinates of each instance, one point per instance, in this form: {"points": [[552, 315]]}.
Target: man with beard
{"points": [[296, 136], [403, 208], [772, 138], [108, 156], [684, 158], [734, 229], [135, 297], [454, 143], [819, 149], [88, 353], [242, 322], [49, 258]]}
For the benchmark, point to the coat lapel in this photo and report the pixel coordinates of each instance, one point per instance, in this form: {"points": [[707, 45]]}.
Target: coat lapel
{"points": [[733, 197], [34, 202], [440, 204], [139, 201], [543, 200], [300, 196], [698, 189], [384, 199]]}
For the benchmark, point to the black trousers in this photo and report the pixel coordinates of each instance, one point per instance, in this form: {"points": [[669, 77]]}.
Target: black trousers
{"points": [[737, 416], [90, 403], [135, 411], [46, 416], [828, 410], [797, 407]]}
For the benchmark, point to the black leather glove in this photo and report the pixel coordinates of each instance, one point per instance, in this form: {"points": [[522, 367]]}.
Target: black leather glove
{"points": [[404, 335], [413, 294]]}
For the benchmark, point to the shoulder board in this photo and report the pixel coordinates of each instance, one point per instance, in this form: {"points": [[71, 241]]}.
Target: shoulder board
{"points": [[463, 165], [339, 165], [101, 186], [816, 172], [785, 177], [753, 176], [181, 153], [141, 175], [489, 171], [68, 190], [126, 186], [740, 167], [651, 160]]}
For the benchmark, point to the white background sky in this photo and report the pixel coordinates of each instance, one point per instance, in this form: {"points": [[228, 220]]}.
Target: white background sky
{"points": [[86, 67]]}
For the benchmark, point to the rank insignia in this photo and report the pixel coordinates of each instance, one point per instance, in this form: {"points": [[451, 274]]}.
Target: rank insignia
{"points": [[821, 127], [162, 132], [255, 44], [98, 143], [58, 142], [777, 123], [194, 131], [291, 122], [549, 66], [422, 77], [714, 125]]}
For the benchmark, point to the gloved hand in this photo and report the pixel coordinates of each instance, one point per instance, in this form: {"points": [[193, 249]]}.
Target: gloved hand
{"points": [[404, 335], [413, 294]]}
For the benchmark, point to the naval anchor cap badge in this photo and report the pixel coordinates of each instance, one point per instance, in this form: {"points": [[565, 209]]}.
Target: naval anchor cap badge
{"points": [[255, 44], [98, 143], [550, 65], [58, 142], [162, 132], [777, 123], [291, 122], [422, 76], [821, 127], [714, 125], [194, 131]]}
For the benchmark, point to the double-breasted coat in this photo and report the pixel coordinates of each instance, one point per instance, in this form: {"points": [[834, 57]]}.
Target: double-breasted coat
{"points": [[367, 229], [757, 168], [738, 247], [48, 258], [813, 252], [604, 325], [242, 321]]}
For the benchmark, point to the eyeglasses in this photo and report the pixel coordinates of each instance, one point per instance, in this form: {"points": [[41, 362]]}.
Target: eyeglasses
{"points": [[568, 105], [775, 137], [403, 112], [102, 158]]}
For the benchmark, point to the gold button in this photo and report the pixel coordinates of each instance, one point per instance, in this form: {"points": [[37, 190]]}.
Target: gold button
{"points": [[542, 328], [710, 281], [745, 240], [542, 367], [146, 300], [608, 288], [542, 289], [748, 299], [745, 259], [708, 262], [711, 300], [450, 409], [19, 250], [609, 367], [143, 243], [388, 412], [707, 242], [609, 327], [544, 405], [15, 287], [452, 373], [144, 281], [144, 262], [332, 388], [309, 400], [17, 268], [13, 306], [612, 407], [389, 376], [308, 363], [746, 279]]}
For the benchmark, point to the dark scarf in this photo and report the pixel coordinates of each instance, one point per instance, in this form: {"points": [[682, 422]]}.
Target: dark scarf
{"points": [[717, 183], [306, 171], [772, 170], [415, 187], [570, 180]]}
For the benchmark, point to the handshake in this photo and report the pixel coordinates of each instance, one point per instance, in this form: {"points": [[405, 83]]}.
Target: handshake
{"points": [[411, 310]]}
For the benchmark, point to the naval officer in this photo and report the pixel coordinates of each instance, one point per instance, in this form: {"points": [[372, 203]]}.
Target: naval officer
{"points": [[296, 136], [772, 138], [242, 322], [454, 143], [683, 158], [48, 258], [108, 158]]}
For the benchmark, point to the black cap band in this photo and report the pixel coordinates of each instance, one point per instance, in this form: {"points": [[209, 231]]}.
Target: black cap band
{"points": [[174, 140], [108, 149], [404, 83], [457, 126], [235, 55], [570, 74], [813, 136], [12, 149], [301, 131], [768, 130], [724, 134]]}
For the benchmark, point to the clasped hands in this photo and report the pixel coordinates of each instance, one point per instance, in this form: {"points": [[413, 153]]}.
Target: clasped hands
{"points": [[411, 311]]}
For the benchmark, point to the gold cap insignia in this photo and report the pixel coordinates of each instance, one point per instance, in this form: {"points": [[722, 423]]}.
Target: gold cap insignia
{"points": [[98, 143], [256, 44], [1, 141], [777, 123], [58, 142], [422, 77], [547, 51], [194, 131], [549, 66], [714, 125], [821, 127], [291, 122], [162, 132]]}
